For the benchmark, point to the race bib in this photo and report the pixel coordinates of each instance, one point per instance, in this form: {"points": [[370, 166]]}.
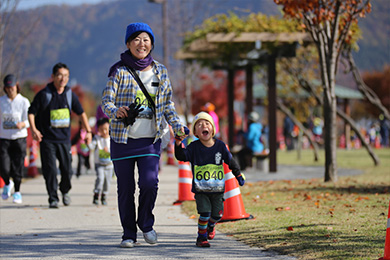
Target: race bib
{"points": [[60, 118], [209, 178], [104, 157], [147, 113], [84, 148], [10, 120]]}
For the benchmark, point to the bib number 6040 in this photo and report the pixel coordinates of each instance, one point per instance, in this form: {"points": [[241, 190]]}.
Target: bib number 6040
{"points": [[207, 175]]}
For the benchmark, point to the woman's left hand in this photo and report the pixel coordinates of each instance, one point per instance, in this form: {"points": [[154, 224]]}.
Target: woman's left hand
{"points": [[122, 112]]}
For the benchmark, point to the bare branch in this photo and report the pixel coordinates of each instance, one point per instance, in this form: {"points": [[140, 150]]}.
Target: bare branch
{"points": [[308, 87], [371, 96], [305, 131]]}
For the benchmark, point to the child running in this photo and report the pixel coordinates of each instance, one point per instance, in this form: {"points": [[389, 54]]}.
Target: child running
{"points": [[103, 165], [207, 156]]}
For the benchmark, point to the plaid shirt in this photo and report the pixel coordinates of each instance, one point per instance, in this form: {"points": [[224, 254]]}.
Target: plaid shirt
{"points": [[121, 90]]}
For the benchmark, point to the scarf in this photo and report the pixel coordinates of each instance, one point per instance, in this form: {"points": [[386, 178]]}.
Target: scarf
{"points": [[128, 60]]}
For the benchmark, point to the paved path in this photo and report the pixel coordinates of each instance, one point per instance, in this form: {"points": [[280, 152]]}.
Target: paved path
{"points": [[84, 231]]}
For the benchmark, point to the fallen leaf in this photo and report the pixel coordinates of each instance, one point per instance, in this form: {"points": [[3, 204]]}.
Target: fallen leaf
{"points": [[290, 229]]}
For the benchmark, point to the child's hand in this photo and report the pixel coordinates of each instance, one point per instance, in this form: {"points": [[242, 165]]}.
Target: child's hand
{"points": [[182, 134], [241, 179]]}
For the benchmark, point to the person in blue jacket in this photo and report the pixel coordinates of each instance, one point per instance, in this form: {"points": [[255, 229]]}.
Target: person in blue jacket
{"points": [[253, 144]]}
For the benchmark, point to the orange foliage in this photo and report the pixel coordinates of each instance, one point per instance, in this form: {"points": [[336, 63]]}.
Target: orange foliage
{"points": [[378, 81], [315, 12], [214, 89]]}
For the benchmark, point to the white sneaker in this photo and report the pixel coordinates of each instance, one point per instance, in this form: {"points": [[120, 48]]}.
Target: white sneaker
{"points": [[150, 237], [7, 190], [127, 243], [17, 197]]}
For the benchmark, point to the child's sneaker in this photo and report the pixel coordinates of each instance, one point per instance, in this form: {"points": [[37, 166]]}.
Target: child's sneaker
{"points": [[210, 232], [17, 197], [202, 242], [104, 201], [7, 190], [96, 199]]}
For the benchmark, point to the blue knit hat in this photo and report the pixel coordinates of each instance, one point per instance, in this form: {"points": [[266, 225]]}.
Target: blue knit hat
{"points": [[138, 27]]}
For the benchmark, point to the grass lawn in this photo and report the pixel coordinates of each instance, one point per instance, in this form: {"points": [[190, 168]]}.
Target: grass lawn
{"points": [[311, 219]]}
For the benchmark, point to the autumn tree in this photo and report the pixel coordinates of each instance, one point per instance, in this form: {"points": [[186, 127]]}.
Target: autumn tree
{"points": [[9, 63], [330, 25]]}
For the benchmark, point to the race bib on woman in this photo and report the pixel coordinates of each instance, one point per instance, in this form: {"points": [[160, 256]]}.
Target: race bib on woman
{"points": [[10, 120], [209, 178], [60, 118]]}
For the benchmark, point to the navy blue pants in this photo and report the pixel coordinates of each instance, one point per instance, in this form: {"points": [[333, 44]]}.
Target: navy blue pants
{"points": [[148, 186]]}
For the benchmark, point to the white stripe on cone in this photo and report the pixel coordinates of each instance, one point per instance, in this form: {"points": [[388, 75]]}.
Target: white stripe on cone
{"points": [[186, 167], [185, 180], [231, 193], [229, 175]]}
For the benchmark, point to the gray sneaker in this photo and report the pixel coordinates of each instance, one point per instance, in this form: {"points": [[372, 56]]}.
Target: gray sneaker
{"points": [[66, 199], [150, 237], [53, 205], [7, 190], [128, 243]]}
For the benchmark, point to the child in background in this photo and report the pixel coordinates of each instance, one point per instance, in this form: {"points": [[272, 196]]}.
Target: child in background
{"points": [[82, 150], [103, 165], [207, 156]]}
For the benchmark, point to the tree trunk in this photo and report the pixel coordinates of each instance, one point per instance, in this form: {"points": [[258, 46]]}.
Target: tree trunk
{"points": [[330, 135]]}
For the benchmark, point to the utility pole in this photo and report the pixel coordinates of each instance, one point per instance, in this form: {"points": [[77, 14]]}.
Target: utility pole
{"points": [[165, 29]]}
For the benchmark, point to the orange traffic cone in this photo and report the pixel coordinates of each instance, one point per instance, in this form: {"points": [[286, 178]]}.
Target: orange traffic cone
{"points": [[377, 142], [233, 205], [387, 241], [2, 183], [185, 183], [170, 147], [32, 167], [282, 144]]}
